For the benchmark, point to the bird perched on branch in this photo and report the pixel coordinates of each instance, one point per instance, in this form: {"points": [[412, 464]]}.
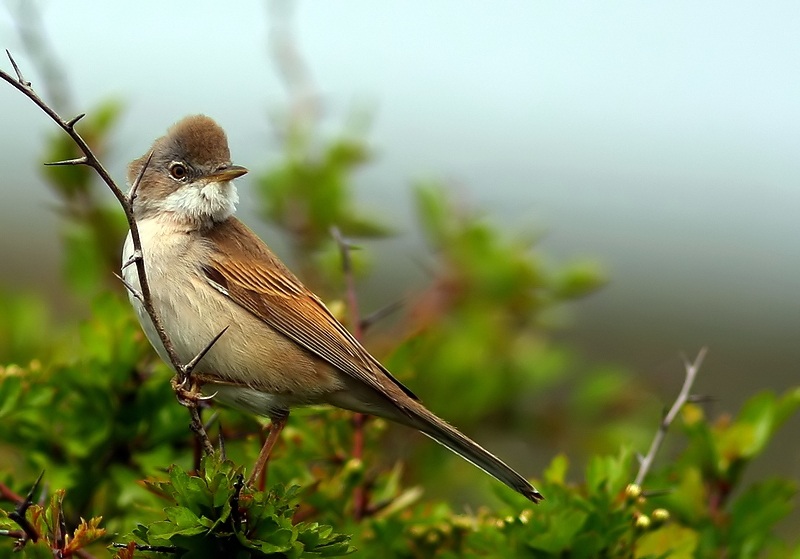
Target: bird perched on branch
{"points": [[281, 347]]}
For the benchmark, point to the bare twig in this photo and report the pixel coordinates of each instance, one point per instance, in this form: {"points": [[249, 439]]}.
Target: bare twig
{"points": [[646, 462], [360, 494], [368, 321], [350, 282], [135, 292], [145, 296]]}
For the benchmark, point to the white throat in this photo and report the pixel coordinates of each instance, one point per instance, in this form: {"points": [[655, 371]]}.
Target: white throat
{"points": [[212, 202]]}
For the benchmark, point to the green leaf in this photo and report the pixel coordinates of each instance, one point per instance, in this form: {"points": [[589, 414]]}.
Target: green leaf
{"points": [[579, 279], [563, 528], [608, 475], [10, 390], [755, 514], [670, 541], [557, 471]]}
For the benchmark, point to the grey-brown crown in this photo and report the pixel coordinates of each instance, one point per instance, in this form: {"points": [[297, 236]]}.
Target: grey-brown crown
{"points": [[199, 140], [196, 140]]}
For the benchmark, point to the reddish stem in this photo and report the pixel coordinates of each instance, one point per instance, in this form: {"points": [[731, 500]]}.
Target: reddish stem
{"points": [[7, 494]]}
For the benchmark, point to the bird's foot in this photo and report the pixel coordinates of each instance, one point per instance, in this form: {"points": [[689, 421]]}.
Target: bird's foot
{"points": [[188, 391]]}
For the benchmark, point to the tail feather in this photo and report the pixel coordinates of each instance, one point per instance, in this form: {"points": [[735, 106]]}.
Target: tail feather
{"points": [[452, 439]]}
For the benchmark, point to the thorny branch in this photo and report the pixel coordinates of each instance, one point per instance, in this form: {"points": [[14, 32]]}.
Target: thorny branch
{"points": [[186, 397], [646, 462], [18, 514], [27, 531]]}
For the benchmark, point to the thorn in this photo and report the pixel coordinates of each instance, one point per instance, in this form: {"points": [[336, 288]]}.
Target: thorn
{"points": [[29, 498], [135, 257], [76, 161], [133, 291], [18, 514], [71, 122], [135, 185], [343, 241], [16, 69], [189, 367]]}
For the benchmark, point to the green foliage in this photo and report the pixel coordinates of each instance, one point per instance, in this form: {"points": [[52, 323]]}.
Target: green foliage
{"points": [[93, 228], [309, 192], [217, 515], [92, 407], [25, 319], [47, 521], [482, 316], [710, 470], [88, 420]]}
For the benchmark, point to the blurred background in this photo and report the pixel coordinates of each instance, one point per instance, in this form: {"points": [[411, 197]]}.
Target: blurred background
{"points": [[658, 140]]}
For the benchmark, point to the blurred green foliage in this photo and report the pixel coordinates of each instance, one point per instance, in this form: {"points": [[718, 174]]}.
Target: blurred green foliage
{"points": [[91, 405], [92, 228], [245, 523]]}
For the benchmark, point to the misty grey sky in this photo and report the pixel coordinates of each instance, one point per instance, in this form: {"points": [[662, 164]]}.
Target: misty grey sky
{"points": [[659, 138]]}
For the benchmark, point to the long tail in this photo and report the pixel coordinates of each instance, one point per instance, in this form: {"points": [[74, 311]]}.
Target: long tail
{"points": [[451, 438]]}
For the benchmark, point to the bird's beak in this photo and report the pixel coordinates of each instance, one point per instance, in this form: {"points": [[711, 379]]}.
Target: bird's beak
{"points": [[227, 173]]}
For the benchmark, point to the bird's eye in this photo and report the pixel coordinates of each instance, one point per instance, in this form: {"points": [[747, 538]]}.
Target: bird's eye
{"points": [[178, 171]]}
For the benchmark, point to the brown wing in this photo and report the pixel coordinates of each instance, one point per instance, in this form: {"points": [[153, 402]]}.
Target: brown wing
{"points": [[247, 272]]}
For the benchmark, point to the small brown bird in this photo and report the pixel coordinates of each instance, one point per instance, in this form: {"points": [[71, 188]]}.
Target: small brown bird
{"points": [[283, 347]]}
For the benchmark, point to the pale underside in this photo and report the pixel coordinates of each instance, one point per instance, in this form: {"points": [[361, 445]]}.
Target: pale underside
{"points": [[251, 367]]}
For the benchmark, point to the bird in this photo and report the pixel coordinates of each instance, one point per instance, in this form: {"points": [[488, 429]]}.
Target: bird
{"points": [[281, 347]]}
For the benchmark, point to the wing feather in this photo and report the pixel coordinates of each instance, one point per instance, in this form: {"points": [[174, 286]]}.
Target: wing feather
{"points": [[252, 277]]}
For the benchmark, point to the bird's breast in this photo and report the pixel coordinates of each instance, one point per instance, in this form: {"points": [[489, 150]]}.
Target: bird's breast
{"points": [[250, 354]]}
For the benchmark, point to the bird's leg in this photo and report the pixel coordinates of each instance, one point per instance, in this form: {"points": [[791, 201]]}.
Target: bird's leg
{"points": [[277, 423]]}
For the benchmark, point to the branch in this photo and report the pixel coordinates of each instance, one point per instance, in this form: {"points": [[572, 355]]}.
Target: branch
{"points": [[368, 321], [18, 514], [126, 201], [360, 493], [646, 462], [8, 494], [350, 283]]}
